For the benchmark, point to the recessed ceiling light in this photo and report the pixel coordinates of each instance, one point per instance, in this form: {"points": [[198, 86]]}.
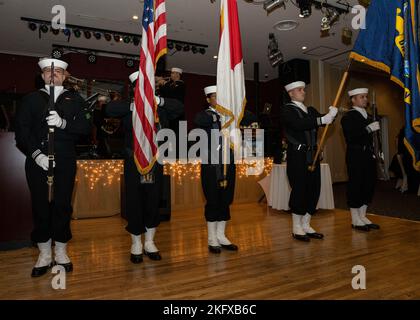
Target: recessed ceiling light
{"points": [[304, 48], [215, 57], [135, 17], [285, 25]]}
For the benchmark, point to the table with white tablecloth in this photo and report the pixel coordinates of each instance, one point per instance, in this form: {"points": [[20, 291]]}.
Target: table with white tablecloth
{"points": [[277, 189]]}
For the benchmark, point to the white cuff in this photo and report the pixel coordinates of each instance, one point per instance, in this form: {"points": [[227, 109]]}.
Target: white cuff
{"points": [[319, 121], [63, 124], [36, 153]]}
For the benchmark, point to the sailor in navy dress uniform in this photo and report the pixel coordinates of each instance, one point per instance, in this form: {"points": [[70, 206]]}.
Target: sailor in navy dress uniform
{"points": [[51, 221], [174, 87], [358, 128], [300, 124], [218, 199], [142, 199]]}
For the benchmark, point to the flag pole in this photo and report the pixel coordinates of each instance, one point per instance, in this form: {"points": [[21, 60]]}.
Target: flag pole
{"points": [[225, 150], [336, 100]]}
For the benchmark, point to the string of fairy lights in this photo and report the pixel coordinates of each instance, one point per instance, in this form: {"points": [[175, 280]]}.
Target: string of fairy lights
{"points": [[105, 172]]}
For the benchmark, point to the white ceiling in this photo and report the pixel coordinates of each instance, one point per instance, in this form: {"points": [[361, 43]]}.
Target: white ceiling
{"points": [[188, 20]]}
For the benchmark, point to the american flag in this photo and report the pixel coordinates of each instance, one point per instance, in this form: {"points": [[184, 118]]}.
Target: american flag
{"points": [[153, 46]]}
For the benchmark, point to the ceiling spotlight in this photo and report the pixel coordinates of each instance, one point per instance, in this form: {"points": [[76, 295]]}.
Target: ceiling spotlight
{"points": [[325, 23], [214, 57], [346, 35], [170, 45], [136, 41], [329, 19], [57, 53], [77, 33], [44, 28], [202, 50], [275, 56], [273, 46], [32, 26], [135, 17], [333, 15], [55, 31], [117, 38], [365, 3], [178, 47], [186, 48], [67, 33], [87, 34], [194, 49], [305, 7], [127, 39], [91, 58], [107, 37], [129, 63], [97, 35], [271, 5]]}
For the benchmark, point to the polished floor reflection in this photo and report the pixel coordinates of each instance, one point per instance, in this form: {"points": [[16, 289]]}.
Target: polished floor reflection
{"points": [[268, 265]]}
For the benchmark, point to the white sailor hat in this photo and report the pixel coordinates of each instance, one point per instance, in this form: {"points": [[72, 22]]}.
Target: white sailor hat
{"points": [[293, 85], [102, 98], [179, 70], [46, 62], [133, 77], [358, 91], [210, 89]]}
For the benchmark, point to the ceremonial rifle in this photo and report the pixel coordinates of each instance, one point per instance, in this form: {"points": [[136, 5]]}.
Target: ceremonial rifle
{"points": [[51, 129]]}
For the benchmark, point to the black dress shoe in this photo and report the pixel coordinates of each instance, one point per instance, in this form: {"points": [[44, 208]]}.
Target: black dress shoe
{"points": [[361, 228], [301, 237], [214, 249], [153, 255], [68, 267], [39, 271], [373, 226], [230, 247], [136, 258], [315, 235]]}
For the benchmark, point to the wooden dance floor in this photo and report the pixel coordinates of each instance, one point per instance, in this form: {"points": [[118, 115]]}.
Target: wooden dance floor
{"points": [[269, 264]]}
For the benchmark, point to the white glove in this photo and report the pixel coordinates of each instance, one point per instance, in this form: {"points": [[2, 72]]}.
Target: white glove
{"points": [[54, 119], [333, 111], [327, 119], [157, 99], [374, 126], [404, 186], [42, 161]]}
